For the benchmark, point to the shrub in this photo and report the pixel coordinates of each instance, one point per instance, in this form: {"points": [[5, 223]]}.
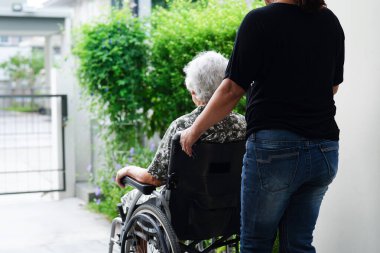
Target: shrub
{"points": [[112, 55], [23, 70], [178, 34], [112, 64], [107, 193]]}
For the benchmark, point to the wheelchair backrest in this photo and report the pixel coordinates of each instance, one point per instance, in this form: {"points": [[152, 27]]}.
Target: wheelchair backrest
{"points": [[205, 189]]}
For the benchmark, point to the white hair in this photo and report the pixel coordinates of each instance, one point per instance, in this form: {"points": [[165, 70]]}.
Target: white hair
{"points": [[205, 73]]}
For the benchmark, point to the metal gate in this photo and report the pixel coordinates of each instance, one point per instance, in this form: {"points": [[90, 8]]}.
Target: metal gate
{"points": [[32, 143]]}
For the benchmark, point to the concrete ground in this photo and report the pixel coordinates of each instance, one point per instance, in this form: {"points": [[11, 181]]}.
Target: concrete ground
{"points": [[31, 224]]}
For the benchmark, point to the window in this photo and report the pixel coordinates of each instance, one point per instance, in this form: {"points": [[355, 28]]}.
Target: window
{"points": [[117, 3], [4, 39]]}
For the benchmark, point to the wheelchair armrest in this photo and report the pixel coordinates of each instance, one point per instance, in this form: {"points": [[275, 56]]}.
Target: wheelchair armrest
{"points": [[146, 189]]}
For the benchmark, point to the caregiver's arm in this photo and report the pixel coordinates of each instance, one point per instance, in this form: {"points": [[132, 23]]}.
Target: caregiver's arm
{"points": [[220, 105]]}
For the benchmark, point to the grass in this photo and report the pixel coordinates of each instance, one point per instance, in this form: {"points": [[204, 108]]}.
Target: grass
{"points": [[21, 109]]}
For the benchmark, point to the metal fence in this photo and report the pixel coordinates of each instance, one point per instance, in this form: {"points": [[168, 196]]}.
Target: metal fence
{"points": [[32, 146]]}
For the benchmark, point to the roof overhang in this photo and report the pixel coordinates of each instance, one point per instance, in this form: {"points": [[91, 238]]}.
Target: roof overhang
{"points": [[42, 22], [59, 3]]}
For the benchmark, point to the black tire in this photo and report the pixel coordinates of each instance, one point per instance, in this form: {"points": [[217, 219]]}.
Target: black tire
{"points": [[143, 232]]}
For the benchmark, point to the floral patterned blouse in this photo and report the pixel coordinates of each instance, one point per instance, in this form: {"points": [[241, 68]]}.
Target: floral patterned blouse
{"points": [[231, 128]]}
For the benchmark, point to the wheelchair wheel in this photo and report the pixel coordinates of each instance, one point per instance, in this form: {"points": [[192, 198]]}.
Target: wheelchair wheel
{"points": [[149, 231]]}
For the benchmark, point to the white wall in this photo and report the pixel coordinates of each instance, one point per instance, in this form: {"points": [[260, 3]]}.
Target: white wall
{"points": [[350, 215], [88, 10], [65, 84], [78, 129]]}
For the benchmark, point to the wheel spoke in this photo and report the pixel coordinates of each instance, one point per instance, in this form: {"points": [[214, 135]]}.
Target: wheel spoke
{"points": [[149, 231]]}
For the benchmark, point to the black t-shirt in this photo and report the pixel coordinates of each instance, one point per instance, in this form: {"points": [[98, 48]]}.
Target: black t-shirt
{"points": [[288, 61]]}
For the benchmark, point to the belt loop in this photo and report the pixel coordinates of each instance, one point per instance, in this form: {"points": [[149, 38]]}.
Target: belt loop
{"points": [[254, 136]]}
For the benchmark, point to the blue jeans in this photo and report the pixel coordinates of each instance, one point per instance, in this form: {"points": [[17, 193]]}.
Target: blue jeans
{"points": [[284, 179]]}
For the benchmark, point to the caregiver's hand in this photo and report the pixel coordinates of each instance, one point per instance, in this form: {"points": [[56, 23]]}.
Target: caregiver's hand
{"points": [[188, 138], [225, 98]]}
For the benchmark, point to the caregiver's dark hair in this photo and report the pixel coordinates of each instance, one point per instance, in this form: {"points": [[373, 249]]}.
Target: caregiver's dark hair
{"points": [[311, 5]]}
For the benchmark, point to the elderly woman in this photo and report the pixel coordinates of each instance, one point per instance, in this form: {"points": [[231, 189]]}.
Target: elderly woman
{"points": [[203, 76]]}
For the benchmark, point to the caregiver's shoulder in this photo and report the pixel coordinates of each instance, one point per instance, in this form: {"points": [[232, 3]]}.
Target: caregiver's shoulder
{"points": [[260, 13]]}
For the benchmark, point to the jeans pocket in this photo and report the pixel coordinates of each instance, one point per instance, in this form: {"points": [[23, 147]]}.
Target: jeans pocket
{"points": [[330, 151], [277, 168]]}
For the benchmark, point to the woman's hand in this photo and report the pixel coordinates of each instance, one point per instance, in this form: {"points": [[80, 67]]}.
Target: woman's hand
{"points": [[120, 175], [188, 138]]}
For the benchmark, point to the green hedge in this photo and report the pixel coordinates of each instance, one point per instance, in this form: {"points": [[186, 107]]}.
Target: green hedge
{"points": [[113, 63], [178, 34], [107, 193], [113, 58], [133, 72]]}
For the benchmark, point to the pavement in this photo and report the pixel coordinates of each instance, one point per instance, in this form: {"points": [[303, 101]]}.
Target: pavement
{"points": [[34, 224]]}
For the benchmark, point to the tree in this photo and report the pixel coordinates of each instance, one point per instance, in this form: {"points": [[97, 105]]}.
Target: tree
{"points": [[24, 70]]}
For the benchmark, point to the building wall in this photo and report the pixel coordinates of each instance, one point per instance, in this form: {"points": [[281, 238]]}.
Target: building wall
{"points": [[349, 219], [85, 155], [87, 10]]}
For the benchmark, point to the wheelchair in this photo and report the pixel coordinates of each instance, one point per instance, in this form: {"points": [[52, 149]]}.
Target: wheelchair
{"points": [[198, 209]]}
